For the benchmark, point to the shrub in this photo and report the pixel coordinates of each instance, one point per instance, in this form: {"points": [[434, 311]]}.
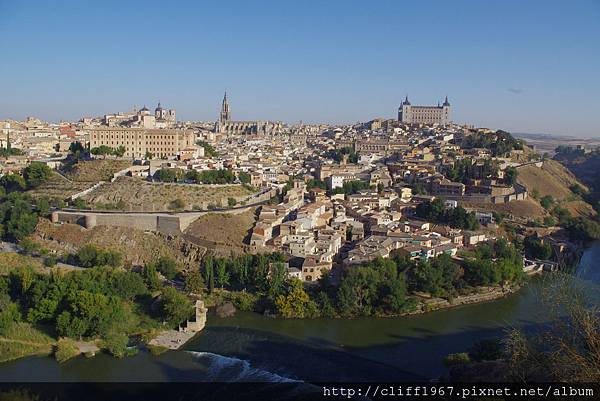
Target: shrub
{"points": [[65, 350], [461, 358], [116, 345], [177, 204], [487, 350]]}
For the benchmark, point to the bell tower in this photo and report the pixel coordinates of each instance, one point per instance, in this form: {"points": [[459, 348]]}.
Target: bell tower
{"points": [[225, 113]]}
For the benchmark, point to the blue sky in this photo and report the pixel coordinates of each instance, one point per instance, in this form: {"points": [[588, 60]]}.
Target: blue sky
{"points": [[529, 66]]}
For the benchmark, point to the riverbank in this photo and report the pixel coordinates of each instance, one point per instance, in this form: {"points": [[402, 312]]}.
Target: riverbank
{"points": [[482, 294], [248, 345]]}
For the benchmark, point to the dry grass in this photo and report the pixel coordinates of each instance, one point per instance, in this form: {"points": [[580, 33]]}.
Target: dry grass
{"points": [[222, 232], [10, 261], [135, 194], [96, 170], [58, 187], [22, 339], [525, 209], [65, 350], [553, 179]]}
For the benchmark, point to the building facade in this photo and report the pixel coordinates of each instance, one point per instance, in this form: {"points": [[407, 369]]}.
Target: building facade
{"points": [[137, 141], [225, 125], [409, 114]]}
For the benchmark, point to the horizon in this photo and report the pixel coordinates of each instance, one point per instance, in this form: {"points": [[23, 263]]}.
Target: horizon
{"points": [[504, 66]]}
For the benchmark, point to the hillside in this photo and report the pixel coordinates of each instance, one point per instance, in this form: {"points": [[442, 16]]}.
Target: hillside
{"points": [[138, 247], [222, 233], [553, 179], [129, 193], [586, 166], [58, 187], [95, 170]]}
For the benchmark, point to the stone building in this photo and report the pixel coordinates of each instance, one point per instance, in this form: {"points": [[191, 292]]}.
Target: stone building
{"points": [[225, 125], [138, 141], [143, 118], [410, 114]]}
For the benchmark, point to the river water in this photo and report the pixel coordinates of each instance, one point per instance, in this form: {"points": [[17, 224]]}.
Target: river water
{"points": [[250, 347]]}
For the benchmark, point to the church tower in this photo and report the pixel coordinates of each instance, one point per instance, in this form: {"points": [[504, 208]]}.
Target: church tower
{"points": [[225, 113]]}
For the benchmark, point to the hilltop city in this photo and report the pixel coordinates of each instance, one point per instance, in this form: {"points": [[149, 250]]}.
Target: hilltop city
{"points": [[388, 217]]}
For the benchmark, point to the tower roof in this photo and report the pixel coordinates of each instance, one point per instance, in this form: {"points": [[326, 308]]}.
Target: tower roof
{"points": [[446, 102]]}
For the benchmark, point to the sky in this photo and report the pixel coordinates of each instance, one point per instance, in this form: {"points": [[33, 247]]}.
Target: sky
{"points": [[523, 66]]}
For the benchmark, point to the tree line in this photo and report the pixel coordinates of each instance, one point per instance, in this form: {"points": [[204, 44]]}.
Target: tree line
{"points": [[380, 287], [19, 212], [500, 143], [457, 217], [221, 176], [104, 150]]}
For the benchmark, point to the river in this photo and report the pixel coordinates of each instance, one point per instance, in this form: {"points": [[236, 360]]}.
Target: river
{"points": [[250, 347]]}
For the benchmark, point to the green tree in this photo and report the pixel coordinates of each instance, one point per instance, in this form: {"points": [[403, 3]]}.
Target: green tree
{"points": [[510, 175], [116, 344], [277, 280], [167, 174], [17, 216], [547, 201], [36, 174], [244, 177], [209, 151], [119, 151], [150, 276], [221, 273], [175, 306], [194, 283], [102, 150], [295, 303], [209, 273], [537, 248], [12, 183], [167, 267]]}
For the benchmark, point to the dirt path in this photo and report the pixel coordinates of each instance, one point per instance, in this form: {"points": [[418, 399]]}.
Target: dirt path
{"points": [[9, 340]]}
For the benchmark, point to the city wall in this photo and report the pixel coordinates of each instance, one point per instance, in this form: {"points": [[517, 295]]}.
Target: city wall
{"points": [[166, 223]]}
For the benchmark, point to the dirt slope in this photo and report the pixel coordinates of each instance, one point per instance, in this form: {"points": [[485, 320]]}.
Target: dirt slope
{"points": [[138, 247], [95, 170], [222, 233], [554, 179]]}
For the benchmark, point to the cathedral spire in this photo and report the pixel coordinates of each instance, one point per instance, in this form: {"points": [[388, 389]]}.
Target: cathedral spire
{"points": [[225, 113]]}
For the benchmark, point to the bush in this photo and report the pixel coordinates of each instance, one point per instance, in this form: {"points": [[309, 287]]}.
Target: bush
{"points": [[461, 358], [156, 350], [116, 345], [168, 174], [177, 204], [487, 350], [175, 307], [547, 201], [167, 267], [243, 300], [65, 350], [50, 261], [36, 174]]}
